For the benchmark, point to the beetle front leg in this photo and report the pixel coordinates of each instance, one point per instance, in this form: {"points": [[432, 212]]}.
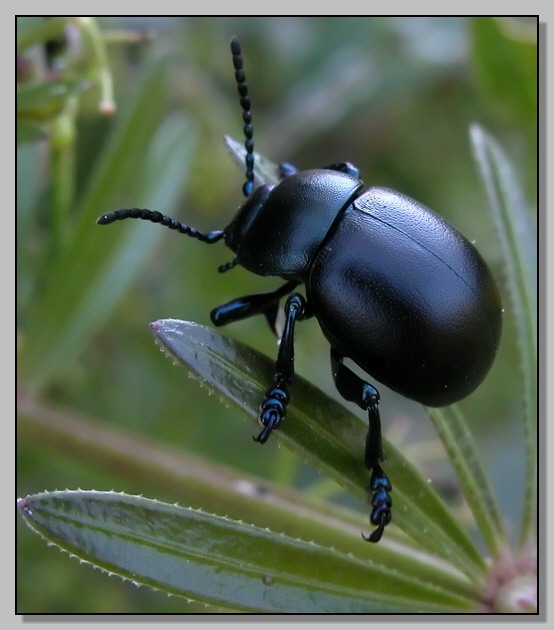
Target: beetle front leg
{"points": [[353, 388], [249, 305], [273, 407]]}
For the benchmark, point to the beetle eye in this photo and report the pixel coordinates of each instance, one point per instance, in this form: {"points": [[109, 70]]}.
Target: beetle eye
{"points": [[236, 231]]}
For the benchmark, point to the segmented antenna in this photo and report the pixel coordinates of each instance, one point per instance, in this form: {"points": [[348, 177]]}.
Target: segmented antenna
{"points": [[158, 217], [248, 186]]}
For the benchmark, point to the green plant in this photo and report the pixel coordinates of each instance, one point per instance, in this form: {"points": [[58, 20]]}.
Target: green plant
{"points": [[72, 279]]}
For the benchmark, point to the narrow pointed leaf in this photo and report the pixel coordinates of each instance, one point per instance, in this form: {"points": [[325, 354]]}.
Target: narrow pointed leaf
{"points": [[265, 172], [512, 218], [219, 561], [213, 487], [323, 432], [464, 457]]}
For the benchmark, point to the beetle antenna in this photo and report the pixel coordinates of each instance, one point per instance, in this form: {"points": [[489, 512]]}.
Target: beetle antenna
{"points": [[158, 217], [248, 186]]}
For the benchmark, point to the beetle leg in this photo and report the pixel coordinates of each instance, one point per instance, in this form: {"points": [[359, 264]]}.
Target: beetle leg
{"points": [[249, 305], [273, 407], [344, 167], [286, 169], [353, 388]]}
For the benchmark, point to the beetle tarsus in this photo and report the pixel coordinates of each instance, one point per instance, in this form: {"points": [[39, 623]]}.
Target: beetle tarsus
{"points": [[381, 503], [272, 411]]}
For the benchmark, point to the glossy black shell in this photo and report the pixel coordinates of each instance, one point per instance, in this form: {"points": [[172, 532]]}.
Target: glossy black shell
{"points": [[280, 229], [394, 286]]}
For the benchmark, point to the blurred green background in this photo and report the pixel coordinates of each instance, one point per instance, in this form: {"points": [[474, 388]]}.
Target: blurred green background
{"points": [[394, 96]]}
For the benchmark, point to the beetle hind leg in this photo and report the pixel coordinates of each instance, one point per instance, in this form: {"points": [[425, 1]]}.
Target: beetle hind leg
{"points": [[353, 388]]}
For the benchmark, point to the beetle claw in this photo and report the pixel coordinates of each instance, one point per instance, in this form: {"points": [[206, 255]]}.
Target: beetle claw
{"points": [[376, 534]]}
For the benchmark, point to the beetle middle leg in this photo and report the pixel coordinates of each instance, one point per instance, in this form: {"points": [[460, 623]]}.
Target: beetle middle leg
{"points": [[273, 407], [353, 388], [286, 169], [344, 167]]}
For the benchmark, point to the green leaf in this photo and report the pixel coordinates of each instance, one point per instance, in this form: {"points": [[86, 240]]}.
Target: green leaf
{"points": [[470, 472], [265, 171], [147, 159], [323, 432], [512, 218], [213, 487], [505, 57], [45, 101], [222, 562], [28, 131], [33, 30]]}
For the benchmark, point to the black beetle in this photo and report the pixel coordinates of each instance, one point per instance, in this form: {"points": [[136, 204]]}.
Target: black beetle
{"points": [[394, 287]]}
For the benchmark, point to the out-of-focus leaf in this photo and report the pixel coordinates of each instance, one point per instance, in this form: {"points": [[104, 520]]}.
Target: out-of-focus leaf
{"points": [[100, 264], [28, 131], [505, 56], [44, 101]]}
